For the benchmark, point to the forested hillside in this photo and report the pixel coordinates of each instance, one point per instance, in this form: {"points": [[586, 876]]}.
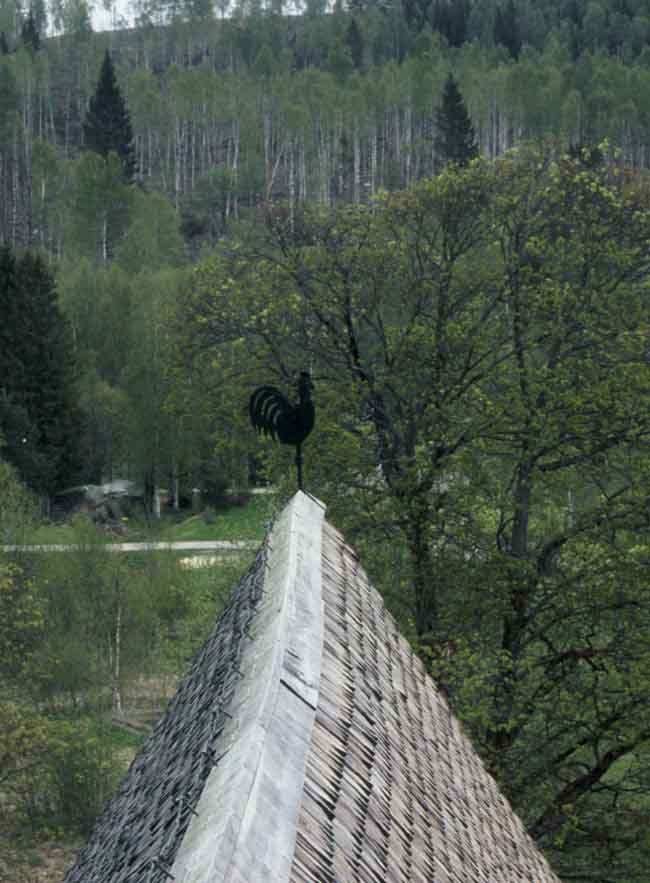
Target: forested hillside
{"points": [[230, 112], [226, 196]]}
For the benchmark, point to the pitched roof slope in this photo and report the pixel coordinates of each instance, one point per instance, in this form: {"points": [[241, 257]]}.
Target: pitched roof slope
{"points": [[394, 790], [308, 744]]}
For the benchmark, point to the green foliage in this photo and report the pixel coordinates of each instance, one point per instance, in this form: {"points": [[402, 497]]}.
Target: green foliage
{"points": [[105, 409], [355, 44], [451, 20], [506, 28], [84, 773], [39, 417], [231, 522], [100, 204], [29, 34], [98, 637], [55, 772], [315, 107], [478, 345], [8, 97], [22, 620], [455, 138], [152, 240], [18, 510], [158, 440], [107, 127]]}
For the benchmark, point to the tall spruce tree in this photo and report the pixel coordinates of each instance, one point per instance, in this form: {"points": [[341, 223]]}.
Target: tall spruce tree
{"points": [[38, 418], [451, 20], [455, 140], [29, 36], [107, 126], [354, 41], [506, 28]]}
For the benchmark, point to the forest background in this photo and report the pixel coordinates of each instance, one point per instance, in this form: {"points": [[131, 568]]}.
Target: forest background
{"points": [[275, 192]]}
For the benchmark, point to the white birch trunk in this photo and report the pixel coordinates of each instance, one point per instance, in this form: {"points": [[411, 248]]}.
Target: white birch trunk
{"points": [[115, 674], [303, 171], [104, 239], [356, 147], [235, 167]]}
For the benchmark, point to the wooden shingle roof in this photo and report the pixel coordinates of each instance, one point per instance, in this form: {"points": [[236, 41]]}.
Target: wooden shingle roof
{"points": [[308, 744]]}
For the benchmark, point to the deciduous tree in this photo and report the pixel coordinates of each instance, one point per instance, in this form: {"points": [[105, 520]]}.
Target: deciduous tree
{"points": [[480, 361]]}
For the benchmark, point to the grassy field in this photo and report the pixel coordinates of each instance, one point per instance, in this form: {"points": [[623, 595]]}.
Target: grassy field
{"points": [[237, 522], [248, 522]]}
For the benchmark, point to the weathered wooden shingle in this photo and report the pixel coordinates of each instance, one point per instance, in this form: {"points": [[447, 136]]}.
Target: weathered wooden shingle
{"points": [[141, 829], [394, 790], [308, 744]]}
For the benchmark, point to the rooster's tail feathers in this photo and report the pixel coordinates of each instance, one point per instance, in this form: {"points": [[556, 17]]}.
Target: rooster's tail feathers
{"points": [[266, 406]]}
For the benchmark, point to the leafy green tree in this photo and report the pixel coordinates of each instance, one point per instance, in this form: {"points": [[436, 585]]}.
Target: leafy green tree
{"points": [[22, 619], [573, 426], [72, 17], [369, 302], [455, 138], [23, 735], [339, 60], [506, 472], [100, 205], [153, 239], [107, 127], [18, 510], [97, 304], [151, 432], [104, 444]]}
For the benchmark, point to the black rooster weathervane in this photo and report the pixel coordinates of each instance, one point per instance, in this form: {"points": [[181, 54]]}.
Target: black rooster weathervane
{"points": [[273, 414]]}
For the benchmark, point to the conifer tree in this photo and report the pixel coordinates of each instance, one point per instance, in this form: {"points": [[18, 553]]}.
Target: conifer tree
{"points": [[506, 29], [354, 40], [107, 126], [455, 140], [36, 375], [450, 20], [29, 35]]}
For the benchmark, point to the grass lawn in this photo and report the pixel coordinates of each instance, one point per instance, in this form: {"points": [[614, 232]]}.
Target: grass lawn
{"points": [[49, 534], [237, 522], [248, 522]]}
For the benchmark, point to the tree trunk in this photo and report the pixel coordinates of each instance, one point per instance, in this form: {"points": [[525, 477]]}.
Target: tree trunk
{"points": [[424, 587], [357, 166], [115, 673]]}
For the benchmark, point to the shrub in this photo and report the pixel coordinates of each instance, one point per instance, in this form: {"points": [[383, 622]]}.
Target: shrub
{"points": [[85, 773], [58, 773]]}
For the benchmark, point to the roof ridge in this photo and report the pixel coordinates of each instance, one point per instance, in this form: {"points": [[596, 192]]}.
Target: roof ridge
{"points": [[245, 823]]}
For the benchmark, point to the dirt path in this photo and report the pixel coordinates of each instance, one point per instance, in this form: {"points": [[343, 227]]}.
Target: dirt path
{"points": [[180, 546]]}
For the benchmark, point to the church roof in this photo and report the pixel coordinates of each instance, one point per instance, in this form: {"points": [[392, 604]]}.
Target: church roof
{"points": [[307, 744]]}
